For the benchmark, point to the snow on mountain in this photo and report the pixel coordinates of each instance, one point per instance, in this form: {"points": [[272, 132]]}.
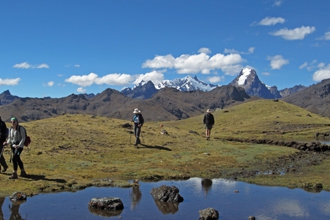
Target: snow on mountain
{"points": [[187, 83], [242, 79], [249, 80]]}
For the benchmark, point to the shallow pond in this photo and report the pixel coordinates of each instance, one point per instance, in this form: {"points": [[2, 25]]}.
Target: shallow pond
{"points": [[233, 199]]}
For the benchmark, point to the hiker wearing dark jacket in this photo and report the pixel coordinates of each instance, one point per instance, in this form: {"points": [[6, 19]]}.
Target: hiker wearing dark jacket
{"points": [[16, 139], [208, 121], [138, 122], [3, 137]]}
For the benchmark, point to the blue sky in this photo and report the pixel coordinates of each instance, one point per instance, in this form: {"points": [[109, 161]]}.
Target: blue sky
{"points": [[56, 48]]}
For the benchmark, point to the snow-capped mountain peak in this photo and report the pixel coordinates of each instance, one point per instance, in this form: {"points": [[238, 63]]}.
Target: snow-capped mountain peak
{"points": [[244, 75], [249, 80], [187, 83]]}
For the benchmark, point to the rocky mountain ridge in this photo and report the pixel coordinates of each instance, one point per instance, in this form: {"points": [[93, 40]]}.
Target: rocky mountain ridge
{"points": [[166, 104]]}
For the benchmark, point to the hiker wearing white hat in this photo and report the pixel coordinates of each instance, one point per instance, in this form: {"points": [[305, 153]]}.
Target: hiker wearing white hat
{"points": [[138, 121], [208, 121]]}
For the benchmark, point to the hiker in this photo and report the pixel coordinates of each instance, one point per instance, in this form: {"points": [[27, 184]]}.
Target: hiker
{"points": [[3, 137], [16, 139], [208, 122], [138, 122]]}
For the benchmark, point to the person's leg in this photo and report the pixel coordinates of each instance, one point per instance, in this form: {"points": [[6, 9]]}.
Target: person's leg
{"points": [[135, 132], [2, 159], [20, 162], [137, 140], [15, 165], [3, 163]]}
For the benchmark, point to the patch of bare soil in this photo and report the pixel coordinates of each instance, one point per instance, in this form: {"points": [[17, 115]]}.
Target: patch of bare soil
{"points": [[285, 164]]}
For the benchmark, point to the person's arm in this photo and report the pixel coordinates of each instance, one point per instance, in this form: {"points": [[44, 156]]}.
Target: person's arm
{"points": [[8, 138], [141, 120]]}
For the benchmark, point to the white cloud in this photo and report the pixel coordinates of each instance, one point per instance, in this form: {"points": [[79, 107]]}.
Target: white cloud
{"points": [[229, 51], [23, 65], [198, 63], [321, 65], [9, 82], [278, 3], [311, 66], [114, 79], [160, 62], [276, 62], [41, 66], [204, 50], [271, 21], [155, 76], [81, 90], [294, 34], [76, 65], [265, 73], [322, 73], [304, 65], [215, 79], [26, 65], [251, 49], [84, 80], [326, 36], [50, 83]]}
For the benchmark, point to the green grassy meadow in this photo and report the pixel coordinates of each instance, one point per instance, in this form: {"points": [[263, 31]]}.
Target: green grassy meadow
{"points": [[71, 152]]}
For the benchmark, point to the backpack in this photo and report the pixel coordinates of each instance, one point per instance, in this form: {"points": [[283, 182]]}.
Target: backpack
{"points": [[27, 138]]}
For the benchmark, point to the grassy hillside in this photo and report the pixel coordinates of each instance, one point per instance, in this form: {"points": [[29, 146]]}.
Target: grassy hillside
{"points": [[70, 152]]}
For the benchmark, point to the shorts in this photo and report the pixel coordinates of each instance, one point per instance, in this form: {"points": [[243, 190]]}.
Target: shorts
{"points": [[208, 127]]}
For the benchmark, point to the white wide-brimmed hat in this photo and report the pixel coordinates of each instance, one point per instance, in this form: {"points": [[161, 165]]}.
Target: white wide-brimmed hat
{"points": [[208, 111], [136, 111]]}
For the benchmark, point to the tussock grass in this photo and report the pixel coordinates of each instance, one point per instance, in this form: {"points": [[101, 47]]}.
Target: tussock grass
{"points": [[71, 152]]}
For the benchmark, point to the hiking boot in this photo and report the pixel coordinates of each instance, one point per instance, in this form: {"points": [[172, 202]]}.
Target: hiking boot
{"points": [[4, 169], [13, 176], [23, 174]]}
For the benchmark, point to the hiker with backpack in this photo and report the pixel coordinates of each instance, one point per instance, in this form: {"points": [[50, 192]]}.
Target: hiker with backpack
{"points": [[138, 122], [16, 138], [208, 121], [3, 137]]}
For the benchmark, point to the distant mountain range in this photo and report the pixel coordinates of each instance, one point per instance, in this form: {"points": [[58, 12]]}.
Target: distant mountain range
{"points": [[169, 100], [247, 79], [166, 104]]}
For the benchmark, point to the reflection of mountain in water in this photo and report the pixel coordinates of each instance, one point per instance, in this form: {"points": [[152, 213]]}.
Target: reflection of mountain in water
{"points": [[136, 196]]}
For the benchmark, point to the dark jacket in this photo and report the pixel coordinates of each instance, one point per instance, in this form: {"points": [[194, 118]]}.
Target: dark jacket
{"points": [[3, 131], [208, 119]]}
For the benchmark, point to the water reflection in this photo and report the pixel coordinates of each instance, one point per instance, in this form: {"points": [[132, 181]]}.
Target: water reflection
{"points": [[207, 184], [263, 202], [167, 207], [136, 196], [105, 213], [14, 210]]}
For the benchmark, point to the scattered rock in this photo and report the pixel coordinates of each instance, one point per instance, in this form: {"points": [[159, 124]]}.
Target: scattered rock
{"points": [[18, 196], [106, 203], [208, 214], [166, 194]]}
